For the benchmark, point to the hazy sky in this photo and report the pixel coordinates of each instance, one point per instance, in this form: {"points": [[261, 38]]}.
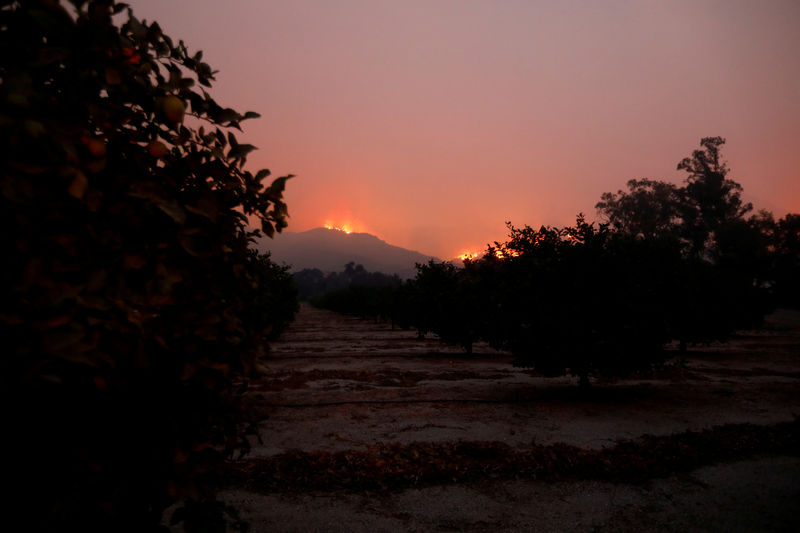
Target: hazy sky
{"points": [[430, 123]]}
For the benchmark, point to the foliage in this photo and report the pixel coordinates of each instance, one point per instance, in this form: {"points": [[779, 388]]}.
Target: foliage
{"points": [[671, 263], [648, 209], [577, 300], [130, 302], [786, 261], [313, 283], [449, 302], [354, 291], [585, 300], [712, 201], [274, 303], [706, 204], [358, 300], [722, 280]]}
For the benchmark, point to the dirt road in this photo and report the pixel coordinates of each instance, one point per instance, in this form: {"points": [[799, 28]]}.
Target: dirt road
{"points": [[337, 388]]}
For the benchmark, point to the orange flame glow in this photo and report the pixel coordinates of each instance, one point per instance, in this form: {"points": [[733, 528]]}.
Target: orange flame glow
{"points": [[500, 254], [346, 227]]}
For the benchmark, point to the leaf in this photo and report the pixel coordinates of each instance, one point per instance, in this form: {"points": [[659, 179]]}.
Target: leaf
{"points": [[93, 301], [53, 322], [154, 32], [205, 208], [113, 76], [96, 166], [240, 150], [267, 228], [133, 261], [145, 190], [53, 55], [276, 189], [77, 188], [31, 167], [173, 209], [221, 137], [137, 29], [226, 115], [66, 344], [18, 190]]}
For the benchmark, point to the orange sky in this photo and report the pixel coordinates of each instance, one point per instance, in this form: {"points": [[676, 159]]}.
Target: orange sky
{"points": [[432, 122]]}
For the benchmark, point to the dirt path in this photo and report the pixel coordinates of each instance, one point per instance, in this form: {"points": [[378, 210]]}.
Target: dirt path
{"points": [[338, 384]]}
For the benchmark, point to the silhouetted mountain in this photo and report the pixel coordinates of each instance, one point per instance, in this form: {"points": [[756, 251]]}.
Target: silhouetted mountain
{"points": [[330, 250]]}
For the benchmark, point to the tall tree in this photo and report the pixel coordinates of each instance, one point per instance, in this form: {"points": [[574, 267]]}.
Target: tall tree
{"points": [[707, 202], [711, 200]]}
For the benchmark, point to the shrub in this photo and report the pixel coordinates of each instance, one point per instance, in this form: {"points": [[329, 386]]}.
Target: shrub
{"points": [[126, 306]]}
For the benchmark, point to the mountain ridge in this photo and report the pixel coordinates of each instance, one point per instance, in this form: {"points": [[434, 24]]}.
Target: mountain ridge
{"points": [[330, 250]]}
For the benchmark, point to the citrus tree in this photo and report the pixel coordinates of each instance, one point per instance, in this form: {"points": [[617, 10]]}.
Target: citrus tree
{"points": [[126, 307], [584, 300]]}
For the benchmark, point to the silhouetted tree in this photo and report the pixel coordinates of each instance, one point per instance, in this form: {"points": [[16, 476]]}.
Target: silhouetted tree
{"points": [[648, 209], [581, 300], [721, 284], [671, 263], [706, 204], [313, 283], [275, 304], [712, 201], [586, 300], [354, 291], [459, 301], [786, 261]]}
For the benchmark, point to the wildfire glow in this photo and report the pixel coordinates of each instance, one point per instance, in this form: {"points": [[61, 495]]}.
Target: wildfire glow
{"points": [[347, 228], [500, 254]]}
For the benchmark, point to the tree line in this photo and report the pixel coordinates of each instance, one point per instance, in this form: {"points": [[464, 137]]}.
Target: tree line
{"points": [[315, 285], [690, 263]]}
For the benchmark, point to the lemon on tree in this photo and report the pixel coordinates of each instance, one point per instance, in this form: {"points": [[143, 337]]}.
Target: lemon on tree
{"points": [[173, 108], [157, 149]]}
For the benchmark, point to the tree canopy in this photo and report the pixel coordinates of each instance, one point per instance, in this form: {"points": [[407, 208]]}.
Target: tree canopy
{"points": [[649, 208], [707, 203]]}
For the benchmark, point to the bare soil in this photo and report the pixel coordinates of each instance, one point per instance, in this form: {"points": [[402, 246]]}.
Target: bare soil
{"points": [[354, 394]]}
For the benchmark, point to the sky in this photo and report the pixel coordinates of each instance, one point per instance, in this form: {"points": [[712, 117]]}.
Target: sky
{"points": [[430, 123]]}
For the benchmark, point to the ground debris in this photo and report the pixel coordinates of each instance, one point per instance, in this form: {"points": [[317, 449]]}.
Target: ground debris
{"points": [[282, 380], [394, 466]]}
